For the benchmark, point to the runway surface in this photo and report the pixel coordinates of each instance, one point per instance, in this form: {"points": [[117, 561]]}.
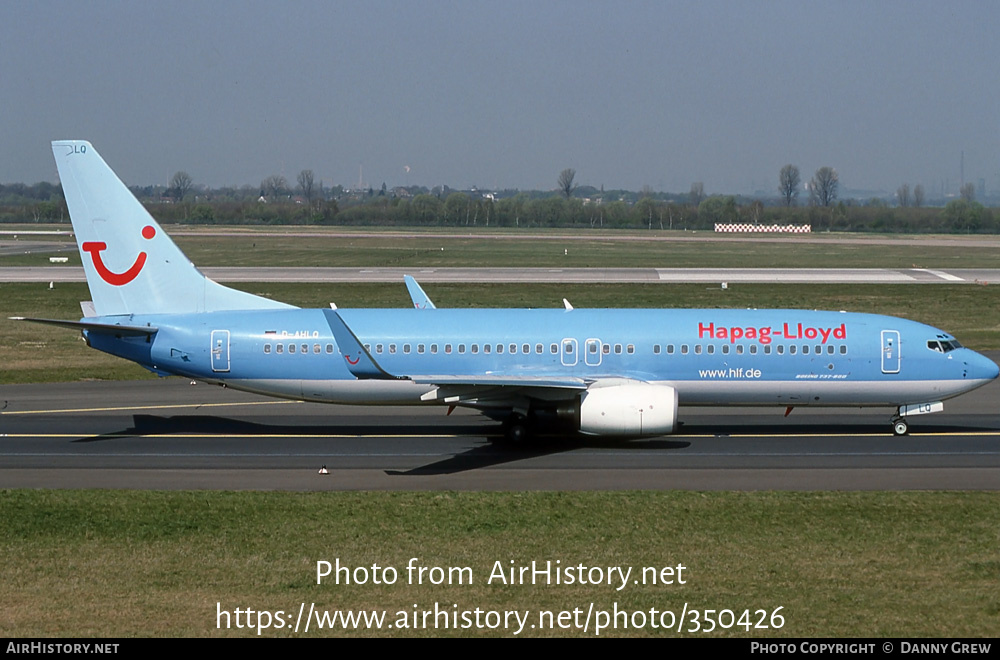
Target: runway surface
{"points": [[554, 275], [168, 434]]}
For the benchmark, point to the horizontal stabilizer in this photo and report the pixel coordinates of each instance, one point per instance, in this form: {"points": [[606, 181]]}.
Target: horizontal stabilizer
{"points": [[103, 328]]}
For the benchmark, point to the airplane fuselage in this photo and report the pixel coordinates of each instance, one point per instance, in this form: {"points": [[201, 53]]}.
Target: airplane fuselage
{"points": [[711, 357]]}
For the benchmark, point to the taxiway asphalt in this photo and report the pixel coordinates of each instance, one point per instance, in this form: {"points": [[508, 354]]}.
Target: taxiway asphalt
{"points": [[168, 434]]}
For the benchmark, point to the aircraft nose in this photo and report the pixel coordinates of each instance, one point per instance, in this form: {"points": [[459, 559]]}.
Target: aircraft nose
{"points": [[981, 367]]}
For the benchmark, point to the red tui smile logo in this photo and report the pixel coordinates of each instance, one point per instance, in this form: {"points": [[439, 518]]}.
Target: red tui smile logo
{"points": [[117, 279]]}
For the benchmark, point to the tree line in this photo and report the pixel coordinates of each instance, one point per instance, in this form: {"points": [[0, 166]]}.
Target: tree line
{"points": [[277, 202]]}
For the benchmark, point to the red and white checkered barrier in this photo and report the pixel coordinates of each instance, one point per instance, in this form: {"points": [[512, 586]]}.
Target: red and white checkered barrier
{"points": [[762, 229]]}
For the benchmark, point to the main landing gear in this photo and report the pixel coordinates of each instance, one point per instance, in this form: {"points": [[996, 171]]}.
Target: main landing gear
{"points": [[516, 429]]}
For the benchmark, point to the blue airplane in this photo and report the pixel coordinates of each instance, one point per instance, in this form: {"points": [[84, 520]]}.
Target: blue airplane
{"points": [[607, 372]]}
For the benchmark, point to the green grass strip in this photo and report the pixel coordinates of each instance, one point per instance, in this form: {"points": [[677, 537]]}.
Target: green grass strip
{"points": [[101, 563]]}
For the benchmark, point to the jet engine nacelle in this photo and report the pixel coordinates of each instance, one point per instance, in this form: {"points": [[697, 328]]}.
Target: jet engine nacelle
{"points": [[631, 408]]}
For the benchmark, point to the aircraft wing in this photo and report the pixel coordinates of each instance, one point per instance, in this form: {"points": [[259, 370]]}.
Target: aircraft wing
{"points": [[497, 390], [566, 382]]}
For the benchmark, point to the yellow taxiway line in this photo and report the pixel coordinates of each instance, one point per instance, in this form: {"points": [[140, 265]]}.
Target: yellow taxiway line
{"points": [[159, 407]]}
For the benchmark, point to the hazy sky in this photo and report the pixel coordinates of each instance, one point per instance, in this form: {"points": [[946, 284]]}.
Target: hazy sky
{"points": [[507, 94]]}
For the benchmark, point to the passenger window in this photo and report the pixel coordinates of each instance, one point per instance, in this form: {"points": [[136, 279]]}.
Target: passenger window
{"points": [[656, 349], [710, 349], [618, 349], [392, 348], [606, 349], [791, 349], [630, 349], [568, 347], [447, 349], [753, 349], [725, 349], [739, 349], [499, 348], [316, 349], [291, 348], [378, 348], [512, 349], [434, 349], [486, 348], [305, 348], [553, 348], [406, 348], [329, 348], [684, 349], [420, 348], [767, 350], [279, 348], [843, 349], [267, 348], [461, 349], [538, 348], [475, 348], [697, 349], [670, 349]]}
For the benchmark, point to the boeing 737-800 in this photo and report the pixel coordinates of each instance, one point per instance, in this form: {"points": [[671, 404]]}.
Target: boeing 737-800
{"points": [[614, 372]]}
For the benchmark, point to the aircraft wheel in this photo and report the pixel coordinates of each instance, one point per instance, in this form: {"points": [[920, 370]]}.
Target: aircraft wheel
{"points": [[516, 430], [900, 427]]}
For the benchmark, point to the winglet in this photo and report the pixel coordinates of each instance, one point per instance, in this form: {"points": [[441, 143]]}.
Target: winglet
{"points": [[359, 361], [420, 299]]}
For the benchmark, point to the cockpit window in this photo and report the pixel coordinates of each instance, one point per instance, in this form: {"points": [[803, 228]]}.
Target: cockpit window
{"points": [[943, 346]]}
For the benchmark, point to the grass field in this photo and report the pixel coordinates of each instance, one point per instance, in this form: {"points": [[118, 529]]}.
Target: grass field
{"points": [[97, 563], [599, 252]]}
